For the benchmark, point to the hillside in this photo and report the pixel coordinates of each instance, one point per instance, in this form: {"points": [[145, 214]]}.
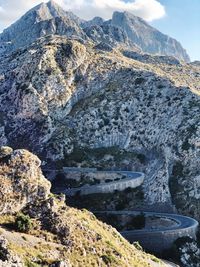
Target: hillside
{"points": [[51, 233], [59, 95]]}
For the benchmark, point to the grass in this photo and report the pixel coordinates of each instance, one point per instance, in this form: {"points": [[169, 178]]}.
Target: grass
{"points": [[40, 253], [118, 251], [91, 243], [7, 219]]}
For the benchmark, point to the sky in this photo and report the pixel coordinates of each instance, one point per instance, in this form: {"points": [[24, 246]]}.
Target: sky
{"points": [[178, 18]]}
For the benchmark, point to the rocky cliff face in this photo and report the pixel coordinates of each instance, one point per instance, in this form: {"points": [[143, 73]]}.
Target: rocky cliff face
{"points": [[61, 98], [123, 29], [22, 181], [148, 38], [95, 102], [42, 20]]}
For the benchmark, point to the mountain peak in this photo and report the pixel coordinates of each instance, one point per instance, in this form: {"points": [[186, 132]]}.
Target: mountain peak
{"points": [[55, 9], [148, 38], [124, 28], [117, 15], [47, 10], [42, 20]]}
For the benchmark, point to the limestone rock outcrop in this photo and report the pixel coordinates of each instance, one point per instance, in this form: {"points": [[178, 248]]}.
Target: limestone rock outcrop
{"points": [[21, 181]]}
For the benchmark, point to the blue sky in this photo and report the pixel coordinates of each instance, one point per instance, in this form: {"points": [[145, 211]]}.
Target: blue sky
{"points": [[178, 18], [182, 21]]}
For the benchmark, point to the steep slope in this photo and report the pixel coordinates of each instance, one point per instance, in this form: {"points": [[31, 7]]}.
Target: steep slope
{"points": [[44, 19], [60, 96], [109, 35], [148, 38], [56, 235]]}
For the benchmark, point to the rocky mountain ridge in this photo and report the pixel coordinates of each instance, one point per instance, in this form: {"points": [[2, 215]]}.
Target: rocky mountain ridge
{"points": [[147, 38], [123, 29], [42, 20]]}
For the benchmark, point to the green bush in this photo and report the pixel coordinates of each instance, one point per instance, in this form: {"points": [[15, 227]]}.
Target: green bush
{"points": [[23, 223]]}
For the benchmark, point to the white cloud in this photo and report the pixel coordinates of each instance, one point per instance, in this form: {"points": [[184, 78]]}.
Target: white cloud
{"points": [[10, 10], [147, 9]]}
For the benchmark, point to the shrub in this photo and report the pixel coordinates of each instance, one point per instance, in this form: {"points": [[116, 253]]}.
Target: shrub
{"points": [[139, 80], [175, 252], [177, 169], [141, 158], [137, 222], [137, 245], [23, 223], [108, 259]]}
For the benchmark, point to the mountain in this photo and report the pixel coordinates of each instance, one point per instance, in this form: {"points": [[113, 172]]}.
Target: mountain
{"points": [[148, 38], [60, 95], [94, 98], [123, 29], [44, 19]]}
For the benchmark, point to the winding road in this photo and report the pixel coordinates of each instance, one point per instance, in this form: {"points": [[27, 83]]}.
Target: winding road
{"points": [[158, 240], [128, 179]]}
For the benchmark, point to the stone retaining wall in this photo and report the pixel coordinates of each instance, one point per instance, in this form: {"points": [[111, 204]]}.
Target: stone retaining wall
{"points": [[159, 241], [124, 180], [107, 187], [101, 176], [79, 170]]}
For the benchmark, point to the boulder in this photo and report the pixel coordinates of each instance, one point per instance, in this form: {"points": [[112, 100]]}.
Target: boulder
{"points": [[21, 182]]}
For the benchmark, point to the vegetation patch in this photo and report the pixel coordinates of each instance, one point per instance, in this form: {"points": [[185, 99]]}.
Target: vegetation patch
{"points": [[23, 223], [89, 157], [119, 200]]}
